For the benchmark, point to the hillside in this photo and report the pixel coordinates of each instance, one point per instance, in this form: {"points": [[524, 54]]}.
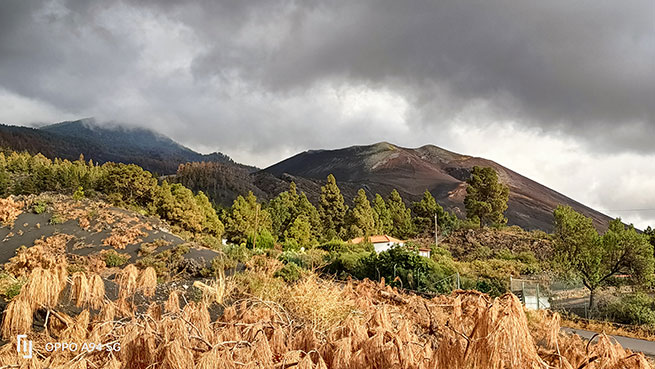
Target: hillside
{"points": [[150, 150], [376, 168], [382, 166]]}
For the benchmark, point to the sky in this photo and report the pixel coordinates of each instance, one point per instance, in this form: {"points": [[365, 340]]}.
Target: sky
{"points": [[560, 91]]}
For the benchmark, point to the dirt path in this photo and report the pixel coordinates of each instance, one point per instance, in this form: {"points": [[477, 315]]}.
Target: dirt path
{"points": [[634, 344]]}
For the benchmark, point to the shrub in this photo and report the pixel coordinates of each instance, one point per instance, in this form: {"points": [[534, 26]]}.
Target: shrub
{"points": [[9, 286], [289, 273], [290, 245], [166, 262], [412, 270], [238, 253], [57, 219], [114, 259], [39, 206], [638, 308], [78, 194], [336, 245], [4, 182], [309, 259], [489, 276], [211, 242], [346, 263]]}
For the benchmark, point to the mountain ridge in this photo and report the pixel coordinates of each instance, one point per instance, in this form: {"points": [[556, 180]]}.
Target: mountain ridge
{"points": [[442, 172], [131, 145]]}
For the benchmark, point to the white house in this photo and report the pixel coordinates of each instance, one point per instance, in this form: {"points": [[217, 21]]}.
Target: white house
{"points": [[384, 243]]}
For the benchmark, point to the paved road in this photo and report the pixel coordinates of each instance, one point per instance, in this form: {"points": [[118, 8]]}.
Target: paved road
{"points": [[647, 347]]}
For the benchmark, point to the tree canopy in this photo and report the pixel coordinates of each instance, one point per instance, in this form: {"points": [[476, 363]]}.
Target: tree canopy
{"points": [[361, 218], [581, 253], [332, 209], [246, 219], [401, 216], [424, 212], [486, 197]]}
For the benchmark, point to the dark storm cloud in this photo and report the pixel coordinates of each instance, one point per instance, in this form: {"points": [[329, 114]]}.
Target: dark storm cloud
{"points": [[583, 68]]}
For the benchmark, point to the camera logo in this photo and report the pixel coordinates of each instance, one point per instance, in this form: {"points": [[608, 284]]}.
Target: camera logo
{"points": [[26, 347]]}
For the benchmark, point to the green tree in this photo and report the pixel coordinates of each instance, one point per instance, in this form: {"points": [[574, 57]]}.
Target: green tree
{"points": [[4, 182], [424, 212], [581, 253], [178, 205], [650, 232], [283, 210], [128, 184], [210, 222], [382, 216], [486, 198], [332, 209], [246, 219], [401, 216], [306, 208], [361, 218], [300, 231]]}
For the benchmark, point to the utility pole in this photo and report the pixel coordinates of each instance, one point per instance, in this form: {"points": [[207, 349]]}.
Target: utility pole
{"points": [[436, 232]]}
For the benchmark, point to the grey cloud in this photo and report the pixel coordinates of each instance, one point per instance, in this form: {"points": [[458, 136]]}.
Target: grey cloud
{"points": [[583, 68]]}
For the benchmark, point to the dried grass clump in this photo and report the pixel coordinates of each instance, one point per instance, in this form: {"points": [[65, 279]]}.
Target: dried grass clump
{"points": [[172, 305], [96, 295], [79, 289], [127, 281], [10, 210], [42, 289], [17, 318], [391, 329], [123, 234], [47, 253], [217, 290], [147, 282], [176, 357], [501, 338], [319, 303]]}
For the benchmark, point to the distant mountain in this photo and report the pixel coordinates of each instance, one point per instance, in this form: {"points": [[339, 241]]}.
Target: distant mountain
{"points": [[148, 149], [376, 168], [383, 166]]}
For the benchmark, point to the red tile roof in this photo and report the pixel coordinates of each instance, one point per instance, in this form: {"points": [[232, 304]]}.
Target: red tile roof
{"points": [[377, 239]]}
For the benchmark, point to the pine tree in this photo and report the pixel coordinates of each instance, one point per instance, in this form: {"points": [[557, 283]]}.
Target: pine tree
{"points": [[361, 218], [4, 182], [210, 224], [382, 216], [332, 209], [486, 198], [246, 219], [424, 212], [283, 211], [300, 231], [305, 208], [401, 217]]}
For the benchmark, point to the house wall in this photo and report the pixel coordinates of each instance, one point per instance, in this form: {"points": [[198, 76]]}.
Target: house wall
{"points": [[384, 246]]}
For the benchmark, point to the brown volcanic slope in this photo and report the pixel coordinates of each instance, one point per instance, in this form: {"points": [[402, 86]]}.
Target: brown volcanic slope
{"points": [[383, 166]]}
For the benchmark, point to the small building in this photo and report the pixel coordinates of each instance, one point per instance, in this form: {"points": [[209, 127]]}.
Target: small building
{"points": [[384, 243], [380, 242], [424, 251]]}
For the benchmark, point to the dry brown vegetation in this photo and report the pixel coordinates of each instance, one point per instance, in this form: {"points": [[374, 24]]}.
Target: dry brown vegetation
{"points": [[313, 324], [267, 323], [46, 253], [10, 210]]}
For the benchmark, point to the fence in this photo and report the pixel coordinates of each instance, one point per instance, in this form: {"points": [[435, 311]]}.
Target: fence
{"points": [[531, 293]]}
